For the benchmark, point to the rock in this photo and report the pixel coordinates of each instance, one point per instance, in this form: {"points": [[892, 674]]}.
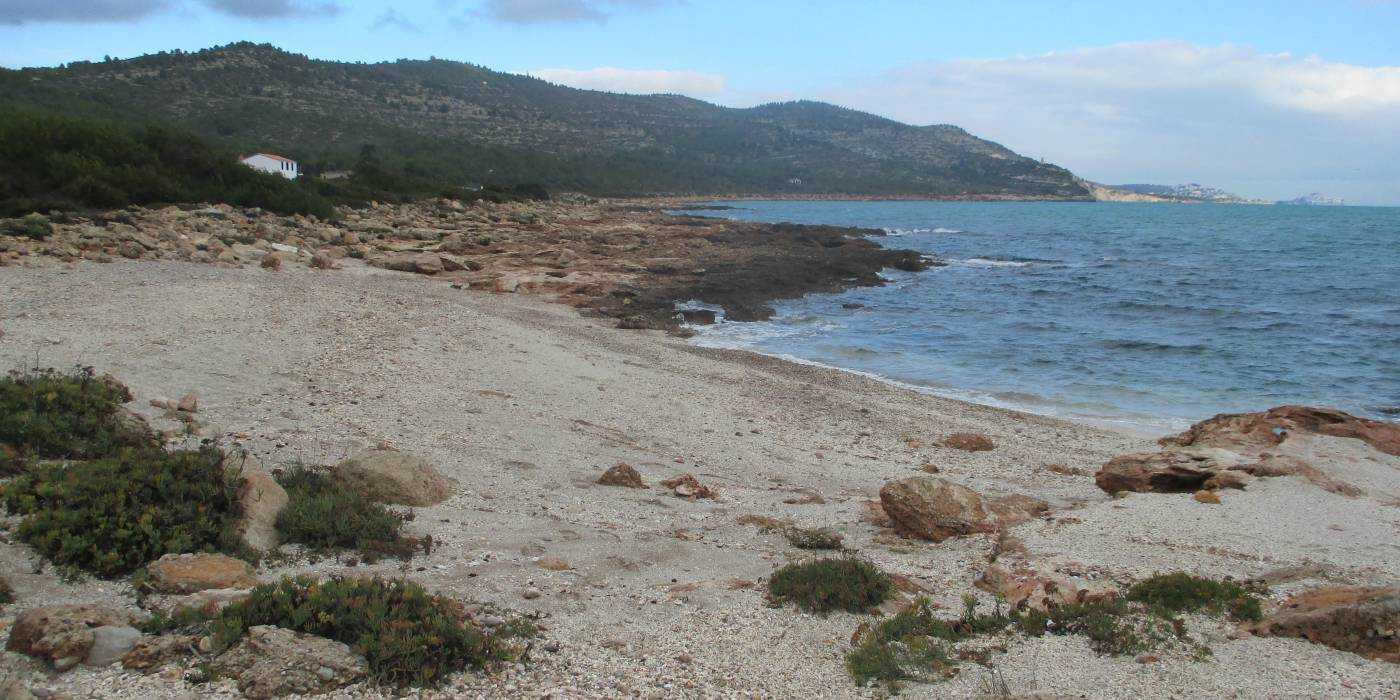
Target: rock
{"points": [[191, 573], [61, 635], [1157, 472], [699, 317], [189, 403], [16, 690], [969, 442], [208, 602], [1022, 587], [530, 593], [1016, 509], [624, 475], [687, 486], [273, 662], [390, 476], [554, 564], [110, 643], [1251, 432], [150, 653], [321, 261], [1364, 621], [1210, 497], [934, 509], [262, 499]]}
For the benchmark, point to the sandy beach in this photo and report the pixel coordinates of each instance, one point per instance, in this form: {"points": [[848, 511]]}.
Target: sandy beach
{"points": [[523, 404]]}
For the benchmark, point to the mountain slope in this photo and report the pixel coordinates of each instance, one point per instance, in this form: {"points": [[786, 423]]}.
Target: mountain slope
{"points": [[465, 124]]}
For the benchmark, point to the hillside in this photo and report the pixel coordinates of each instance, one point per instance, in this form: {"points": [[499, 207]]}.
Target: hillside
{"points": [[463, 124]]}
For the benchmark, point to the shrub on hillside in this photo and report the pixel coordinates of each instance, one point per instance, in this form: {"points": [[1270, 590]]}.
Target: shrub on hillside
{"points": [[823, 585], [326, 516], [112, 515], [46, 414], [407, 636], [50, 160]]}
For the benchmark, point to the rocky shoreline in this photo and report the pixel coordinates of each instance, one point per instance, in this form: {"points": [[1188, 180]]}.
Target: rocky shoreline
{"points": [[630, 261]]}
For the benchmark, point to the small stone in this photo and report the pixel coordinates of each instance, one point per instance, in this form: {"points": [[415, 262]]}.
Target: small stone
{"points": [[622, 474], [1207, 497], [969, 442], [1147, 658], [530, 593]]}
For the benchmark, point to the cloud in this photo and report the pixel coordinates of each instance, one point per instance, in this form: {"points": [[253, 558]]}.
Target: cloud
{"points": [[1166, 110], [645, 82], [559, 11], [97, 11], [25, 11], [269, 9], [392, 19]]}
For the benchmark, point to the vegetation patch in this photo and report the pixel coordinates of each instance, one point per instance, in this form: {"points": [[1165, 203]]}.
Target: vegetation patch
{"points": [[915, 644], [812, 538], [111, 516], [47, 414], [824, 585], [407, 636], [325, 516], [1184, 593]]}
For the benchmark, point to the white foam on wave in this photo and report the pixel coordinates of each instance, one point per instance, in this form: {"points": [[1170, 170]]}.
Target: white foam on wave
{"points": [[989, 262], [917, 231]]}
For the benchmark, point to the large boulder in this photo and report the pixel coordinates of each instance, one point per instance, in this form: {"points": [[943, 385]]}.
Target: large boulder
{"points": [[1361, 620], [191, 573], [1250, 433], [390, 476], [936, 509], [64, 635], [262, 499], [272, 662], [150, 653], [1162, 472]]}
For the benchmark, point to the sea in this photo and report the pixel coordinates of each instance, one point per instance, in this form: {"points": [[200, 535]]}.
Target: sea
{"points": [[1143, 316]]}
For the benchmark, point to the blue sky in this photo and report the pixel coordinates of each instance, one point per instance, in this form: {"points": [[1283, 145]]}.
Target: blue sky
{"points": [[1270, 99]]}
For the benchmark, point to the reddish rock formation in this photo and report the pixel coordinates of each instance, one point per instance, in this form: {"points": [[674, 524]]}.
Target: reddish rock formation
{"points": [[969, 442], [1364, 621], [687, 486], [624, 475], [936, 509], [1251, 432]]}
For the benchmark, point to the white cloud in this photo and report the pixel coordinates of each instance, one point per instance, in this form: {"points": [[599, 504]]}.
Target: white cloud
{"points": [[1223, 115], [643, 82], [557, 11]]}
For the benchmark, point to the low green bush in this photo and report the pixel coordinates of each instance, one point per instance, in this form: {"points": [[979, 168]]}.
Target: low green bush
{"points": [[111, 516], [1182, 592], [824, 585], [812, 538], [35, 226], [407, 636], [326, 516], [915, 644], [47, 414]]}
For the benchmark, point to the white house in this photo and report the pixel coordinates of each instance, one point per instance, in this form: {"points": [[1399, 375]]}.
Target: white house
{"points": [[277, 165]]}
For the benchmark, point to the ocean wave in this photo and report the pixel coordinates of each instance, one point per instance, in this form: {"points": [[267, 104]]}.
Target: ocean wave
{"points": [[920, 230], [990, 262], [1152, 346]]}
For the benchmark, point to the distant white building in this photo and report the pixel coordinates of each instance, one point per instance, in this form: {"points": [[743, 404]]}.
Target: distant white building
{"points": [[277, 165]]}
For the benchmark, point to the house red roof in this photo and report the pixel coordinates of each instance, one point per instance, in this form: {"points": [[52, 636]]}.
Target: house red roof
{"points": [[269, 155]]}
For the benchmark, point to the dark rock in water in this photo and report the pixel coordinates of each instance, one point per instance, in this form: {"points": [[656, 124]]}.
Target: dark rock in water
{"points": [[853, 306], [703, 317]]}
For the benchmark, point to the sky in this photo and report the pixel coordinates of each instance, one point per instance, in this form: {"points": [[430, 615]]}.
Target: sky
{"points": [[1266, 98]]}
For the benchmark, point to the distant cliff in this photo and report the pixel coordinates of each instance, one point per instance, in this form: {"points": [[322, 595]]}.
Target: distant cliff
{"points": [[464, 124]]}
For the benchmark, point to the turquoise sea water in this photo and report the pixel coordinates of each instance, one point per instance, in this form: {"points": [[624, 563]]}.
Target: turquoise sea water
{"points": [[1147, 315]]}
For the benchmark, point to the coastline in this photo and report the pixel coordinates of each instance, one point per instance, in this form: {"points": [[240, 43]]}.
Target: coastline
{"points": [[522, 403]]}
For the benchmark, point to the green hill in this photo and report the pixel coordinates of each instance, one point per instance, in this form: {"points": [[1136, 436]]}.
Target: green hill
{"points": [[455, 123]]}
